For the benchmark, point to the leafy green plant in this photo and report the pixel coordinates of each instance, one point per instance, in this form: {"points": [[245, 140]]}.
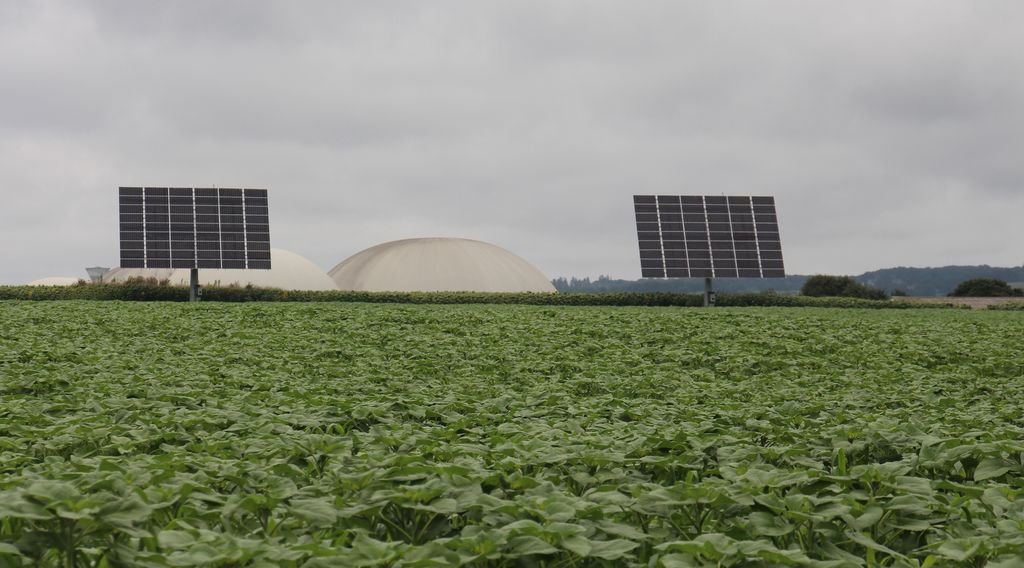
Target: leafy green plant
{"points": [[360, 434]]}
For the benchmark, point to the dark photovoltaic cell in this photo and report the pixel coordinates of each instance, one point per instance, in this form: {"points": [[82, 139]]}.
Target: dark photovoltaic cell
{"points": [[695, 236], [185, 227]]}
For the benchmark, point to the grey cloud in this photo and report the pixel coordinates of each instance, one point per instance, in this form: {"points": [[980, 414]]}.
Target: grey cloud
{"points": [[890, 132]]}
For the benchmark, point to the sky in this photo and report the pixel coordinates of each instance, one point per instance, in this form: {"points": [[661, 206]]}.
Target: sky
{"points": [[891, 132]]}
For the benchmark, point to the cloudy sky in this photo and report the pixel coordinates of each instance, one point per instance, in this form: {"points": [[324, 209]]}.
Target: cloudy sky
{"points": [[890, 132]]}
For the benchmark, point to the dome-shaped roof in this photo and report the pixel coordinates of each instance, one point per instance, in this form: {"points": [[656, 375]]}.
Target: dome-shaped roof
{"points": [[290, 272], [56, 281], [438, 264]]}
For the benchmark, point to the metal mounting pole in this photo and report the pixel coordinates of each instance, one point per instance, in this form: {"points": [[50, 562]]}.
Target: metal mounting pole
{"points": [[193, 285], [709, 294]]}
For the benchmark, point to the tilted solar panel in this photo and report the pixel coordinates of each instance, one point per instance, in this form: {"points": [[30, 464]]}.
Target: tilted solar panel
{"points": [[184, 227], [694, 236]]}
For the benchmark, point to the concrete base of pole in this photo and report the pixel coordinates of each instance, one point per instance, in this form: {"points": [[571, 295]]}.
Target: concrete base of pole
{"points": [[709, 294], [193, 285]]}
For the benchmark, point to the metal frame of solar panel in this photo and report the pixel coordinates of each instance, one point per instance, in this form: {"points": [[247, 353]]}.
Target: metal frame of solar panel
{"points": [[184, 227], [694, 236]]}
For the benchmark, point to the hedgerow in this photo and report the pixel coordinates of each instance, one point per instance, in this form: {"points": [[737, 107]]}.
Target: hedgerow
{"points": [[149, 292], [1013, 306]]}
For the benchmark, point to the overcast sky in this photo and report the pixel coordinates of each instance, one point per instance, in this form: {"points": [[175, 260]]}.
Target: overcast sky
{"points": [[890, 132]]}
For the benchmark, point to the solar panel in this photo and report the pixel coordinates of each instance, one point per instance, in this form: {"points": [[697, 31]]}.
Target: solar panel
{"points": [[184, 227], [694, 236]]}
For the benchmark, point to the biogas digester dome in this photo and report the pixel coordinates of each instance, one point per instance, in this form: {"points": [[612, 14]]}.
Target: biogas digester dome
{"points": [[438, 265], [289, 271], [55, 281]]}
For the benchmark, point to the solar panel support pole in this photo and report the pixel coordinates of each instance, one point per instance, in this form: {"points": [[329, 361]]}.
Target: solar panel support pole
{"points": [[709, 293], [193, 285]]}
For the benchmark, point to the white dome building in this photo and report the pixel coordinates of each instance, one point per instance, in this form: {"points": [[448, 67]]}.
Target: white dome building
{"points": [[289, 272], [436, 265], [55, 281]]}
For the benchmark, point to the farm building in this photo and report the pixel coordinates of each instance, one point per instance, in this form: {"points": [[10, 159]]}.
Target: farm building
{"points": [[438, 264], [290, 272]]}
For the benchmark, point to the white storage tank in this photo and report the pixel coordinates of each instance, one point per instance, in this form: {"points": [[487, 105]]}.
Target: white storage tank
{"points": [[436, 265]]}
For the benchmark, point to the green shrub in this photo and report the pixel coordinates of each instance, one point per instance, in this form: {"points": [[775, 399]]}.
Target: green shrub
{"points": [[985, 288], [823, 285]]}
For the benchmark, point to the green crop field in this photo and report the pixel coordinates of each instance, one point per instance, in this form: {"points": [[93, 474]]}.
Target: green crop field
{"points": [[155, 434]]}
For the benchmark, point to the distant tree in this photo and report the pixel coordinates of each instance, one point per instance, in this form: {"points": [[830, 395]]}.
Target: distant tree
{"points": [[936, 281], [844, 286], [986, 288], [825, 285]]}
